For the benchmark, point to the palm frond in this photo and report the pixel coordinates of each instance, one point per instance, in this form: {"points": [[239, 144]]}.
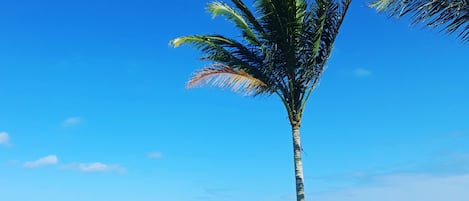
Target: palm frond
{"points": [[223, 9], [451, 16], [226, 51], [322, 27], [231, 53], [249, 16], [218, 48], [223, 76], [198, 40]]}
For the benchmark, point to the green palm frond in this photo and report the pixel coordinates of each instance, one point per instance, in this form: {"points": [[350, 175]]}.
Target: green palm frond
{"points": [[249, 16], [199, 41], [451, 15], [323, 26], [223, 9], [220, 49], [223, 76]]}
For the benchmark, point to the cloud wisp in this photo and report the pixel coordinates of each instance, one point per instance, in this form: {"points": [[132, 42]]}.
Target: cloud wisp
{"points": [[4, 138], [71, 121], [439, 180], [94, 167], [361, 72], [44, 161], [155, 155], [404, 187]]}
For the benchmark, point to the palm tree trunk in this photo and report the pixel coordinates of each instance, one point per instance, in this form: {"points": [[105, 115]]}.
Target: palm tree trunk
{"points": [[300, 186]]}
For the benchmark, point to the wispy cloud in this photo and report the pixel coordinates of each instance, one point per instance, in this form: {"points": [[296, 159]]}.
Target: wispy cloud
{"points": [[217, 191], [214, 194], [94, 167], [4, 138], [155, 155], [361, 72], [72, 121], [47, 160], [441, 179], [404, 187]]}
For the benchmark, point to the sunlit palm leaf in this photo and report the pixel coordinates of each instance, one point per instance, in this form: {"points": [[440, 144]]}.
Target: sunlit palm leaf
{"points": [[225, 77], [223, 9]]}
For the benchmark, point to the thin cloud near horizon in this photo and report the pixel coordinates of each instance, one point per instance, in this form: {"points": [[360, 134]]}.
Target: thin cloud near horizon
{"points": [[44, 161], [155, 155], [404, 187], [94, 167]]}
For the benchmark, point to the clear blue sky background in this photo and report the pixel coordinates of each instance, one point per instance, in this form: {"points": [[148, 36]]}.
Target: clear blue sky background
{"points": [[93, 107]]}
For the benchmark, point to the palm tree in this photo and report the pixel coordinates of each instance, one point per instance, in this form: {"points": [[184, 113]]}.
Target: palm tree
{"points": [[284, 47], [451, 15]]}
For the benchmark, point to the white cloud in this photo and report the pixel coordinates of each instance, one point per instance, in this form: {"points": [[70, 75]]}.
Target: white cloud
{"points": [[94, 167], [4, 138], [72, 121], [404, 187], [361, 72], [155, 155], [48, 160]]}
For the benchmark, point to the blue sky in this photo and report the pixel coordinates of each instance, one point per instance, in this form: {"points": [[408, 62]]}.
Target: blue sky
{"points": [[93, 107]]}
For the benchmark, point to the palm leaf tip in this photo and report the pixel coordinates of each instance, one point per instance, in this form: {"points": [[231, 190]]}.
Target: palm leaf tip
{"points": [[217, 8], [186, 40], [176, 42], [224, 77], [232, 14]]}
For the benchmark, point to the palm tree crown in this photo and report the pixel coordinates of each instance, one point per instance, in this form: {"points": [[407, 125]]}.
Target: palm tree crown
{"points": [[451, 15], [283, 50]]}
